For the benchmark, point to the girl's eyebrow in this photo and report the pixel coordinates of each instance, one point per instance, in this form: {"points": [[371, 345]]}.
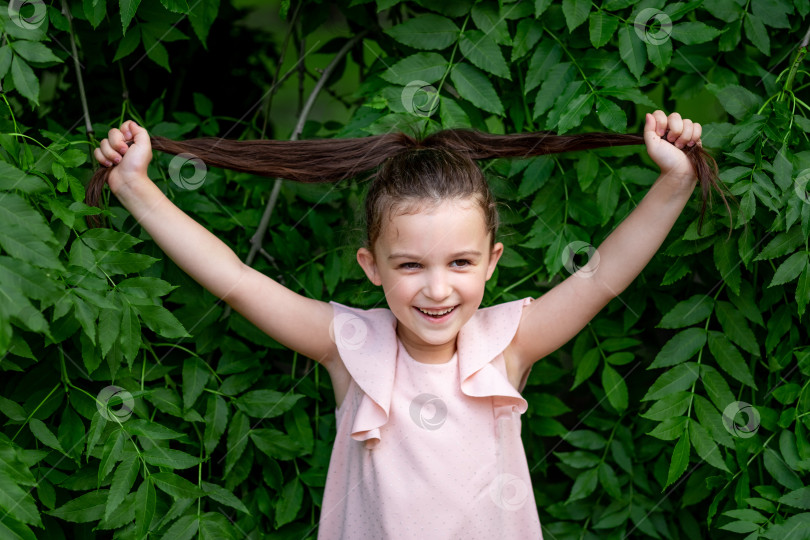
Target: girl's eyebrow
{"points": [[465, 253]]}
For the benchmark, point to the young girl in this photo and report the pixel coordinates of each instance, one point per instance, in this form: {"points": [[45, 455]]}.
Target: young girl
{"points": [[428, 390]]}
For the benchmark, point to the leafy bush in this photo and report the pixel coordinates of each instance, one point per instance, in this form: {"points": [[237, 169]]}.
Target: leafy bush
{"points": [[136, 403]]}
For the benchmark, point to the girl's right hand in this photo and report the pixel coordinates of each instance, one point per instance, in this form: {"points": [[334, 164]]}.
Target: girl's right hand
{"points": [[129, 162]]}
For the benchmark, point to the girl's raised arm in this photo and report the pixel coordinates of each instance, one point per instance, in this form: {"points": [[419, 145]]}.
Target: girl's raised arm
{"points": [[295, 321], [553, 319]]}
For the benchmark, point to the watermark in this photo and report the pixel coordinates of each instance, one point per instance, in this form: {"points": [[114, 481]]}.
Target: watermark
{"points": [[581, 249], [35, 17], [428, 411], [192, 182], [509, 492], [652, 26], [800, 186], [348, 331], [121, 414], [420, 98], [752, 423]]}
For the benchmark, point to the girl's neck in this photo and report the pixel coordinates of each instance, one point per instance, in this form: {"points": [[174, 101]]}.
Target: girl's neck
{"points": [[426, 353]]}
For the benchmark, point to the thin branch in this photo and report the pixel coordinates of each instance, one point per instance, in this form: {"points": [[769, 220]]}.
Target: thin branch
{"points": [[87, 124], [255, 240]]}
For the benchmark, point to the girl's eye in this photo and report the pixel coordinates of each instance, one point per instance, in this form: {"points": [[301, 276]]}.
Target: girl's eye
{"points": [[408, 266]]}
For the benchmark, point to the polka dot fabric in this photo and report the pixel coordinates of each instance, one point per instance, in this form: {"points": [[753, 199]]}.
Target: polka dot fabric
{"points": [[428, 451]]}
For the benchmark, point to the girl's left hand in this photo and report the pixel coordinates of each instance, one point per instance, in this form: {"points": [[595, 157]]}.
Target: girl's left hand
{"points": [[665, 136]]}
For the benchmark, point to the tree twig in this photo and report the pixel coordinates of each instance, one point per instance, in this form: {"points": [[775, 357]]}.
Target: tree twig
{"points": [[256, 239], [87, 124]]}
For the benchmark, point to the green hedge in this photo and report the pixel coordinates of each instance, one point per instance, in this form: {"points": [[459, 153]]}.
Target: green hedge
{"points": [[134, 402]]}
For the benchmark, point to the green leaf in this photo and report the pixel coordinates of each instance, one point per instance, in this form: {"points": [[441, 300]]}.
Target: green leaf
{"points": [[683, 346], [108, 240], [161, 321], [632, 51], [151, 430], [33, 51], [735, 99], [216, 420], [123, 480], [705, 446], [611, 115], [608, 479], [202, 17], [574, 111], [780, 472], [529, 31], [223, 496], [169, 458], [659, 54], [289, 502], [238, 431], [427, 67], [145, 501], [545, 57], [757, 33], [584, 485], [670, 429], [586, 367], [798, 498], [481, 50], [176, 486], [556, 81], [607, 196], [782, 244], [44, 435], [716, 386], [615, 388], [275, 443], [486, 18], [670, 406], [680, 459], [83, 509], [12, 178], [688, 312], [5, 60], [266, 403], [184, 528], [729, 358], [428, 31], [476, 88], [195, 377], [111, 454], [576, 12], [691, 33], [735, 327], [128, 9], [674, 380], [145, 287], [25, 80], [790, 268], [602, 27]]}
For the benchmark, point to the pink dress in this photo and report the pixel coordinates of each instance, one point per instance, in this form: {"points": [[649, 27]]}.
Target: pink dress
{"points": [[428, 451]]}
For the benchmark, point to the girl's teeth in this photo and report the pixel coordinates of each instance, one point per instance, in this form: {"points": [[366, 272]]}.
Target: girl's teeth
{"points": [[436, 313]]}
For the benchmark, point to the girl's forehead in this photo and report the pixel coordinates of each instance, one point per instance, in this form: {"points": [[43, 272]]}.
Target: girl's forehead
{"points": [[449, 226]]}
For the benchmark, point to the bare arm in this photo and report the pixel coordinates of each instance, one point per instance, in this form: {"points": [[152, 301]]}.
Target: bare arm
{"points": [[557, 316], [300, 323]]}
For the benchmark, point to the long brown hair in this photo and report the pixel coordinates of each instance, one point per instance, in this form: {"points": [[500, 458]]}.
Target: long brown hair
{"points": [[405, 169]]}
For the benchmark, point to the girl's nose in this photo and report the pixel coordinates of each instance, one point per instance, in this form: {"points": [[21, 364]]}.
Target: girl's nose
{"points": [[437, 287]]}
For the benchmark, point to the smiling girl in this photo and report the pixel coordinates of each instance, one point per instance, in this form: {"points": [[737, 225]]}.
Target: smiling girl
{"points": [[428, 390]]}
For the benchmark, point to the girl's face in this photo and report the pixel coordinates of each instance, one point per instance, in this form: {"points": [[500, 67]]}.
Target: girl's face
{"points": [[436, 259]]}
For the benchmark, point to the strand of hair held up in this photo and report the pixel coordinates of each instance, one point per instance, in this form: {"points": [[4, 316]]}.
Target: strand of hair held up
{"points": [[333, 160]]}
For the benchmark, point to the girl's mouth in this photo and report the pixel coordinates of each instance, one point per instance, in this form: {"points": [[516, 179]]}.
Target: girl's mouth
{"points": [[436, 315]]}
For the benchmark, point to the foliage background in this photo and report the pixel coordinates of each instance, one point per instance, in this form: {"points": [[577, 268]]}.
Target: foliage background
{"points": [[230, 433]]}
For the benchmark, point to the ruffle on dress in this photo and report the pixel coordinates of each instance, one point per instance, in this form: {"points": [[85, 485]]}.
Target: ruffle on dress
{"points": [[367, 343]]}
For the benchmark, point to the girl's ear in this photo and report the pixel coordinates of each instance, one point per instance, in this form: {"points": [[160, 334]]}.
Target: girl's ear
{"points": [[494, 257], [366, 260]]}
